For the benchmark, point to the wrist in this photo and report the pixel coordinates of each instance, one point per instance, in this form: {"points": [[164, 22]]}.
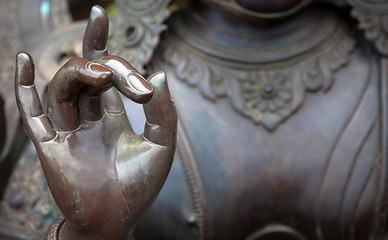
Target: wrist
{"points": [[61, 229]]}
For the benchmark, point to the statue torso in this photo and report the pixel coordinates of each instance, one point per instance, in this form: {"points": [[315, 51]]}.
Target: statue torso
{"points": [[296, 160]]}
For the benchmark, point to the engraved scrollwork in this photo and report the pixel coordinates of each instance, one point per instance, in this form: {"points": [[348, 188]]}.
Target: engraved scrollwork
{"points": [[268, 95], [375, 27], [318, 73], [372, 16], [136, 30]]}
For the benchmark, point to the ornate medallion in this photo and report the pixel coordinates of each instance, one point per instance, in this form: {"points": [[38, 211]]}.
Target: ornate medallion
{"points": [[266, 97]]}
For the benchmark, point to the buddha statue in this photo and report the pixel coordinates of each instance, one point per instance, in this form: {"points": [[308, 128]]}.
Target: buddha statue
{"points": [[281, 133]]}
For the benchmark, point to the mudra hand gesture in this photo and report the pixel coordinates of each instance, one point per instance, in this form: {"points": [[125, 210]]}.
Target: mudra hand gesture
{"points": [[101, 175]]}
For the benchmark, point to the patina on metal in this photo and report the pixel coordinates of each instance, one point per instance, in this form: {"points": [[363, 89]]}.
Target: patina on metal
{"points": [[282, 124], [282, 133], [101, 175]]}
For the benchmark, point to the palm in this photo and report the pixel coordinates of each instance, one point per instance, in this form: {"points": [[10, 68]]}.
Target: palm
{"points": [[87, 166], [101, 175]]}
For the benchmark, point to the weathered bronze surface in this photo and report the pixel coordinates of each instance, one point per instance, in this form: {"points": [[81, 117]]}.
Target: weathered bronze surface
{"points": [[282, 128], [285, 139], [101, 175]]}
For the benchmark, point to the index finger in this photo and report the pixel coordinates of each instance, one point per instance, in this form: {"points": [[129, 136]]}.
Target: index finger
{"points": [[77, 86]]}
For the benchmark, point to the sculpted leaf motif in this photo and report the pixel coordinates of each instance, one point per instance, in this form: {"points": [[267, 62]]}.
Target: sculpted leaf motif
{"points": [[267, 96], [373, 19], [375, 27]]}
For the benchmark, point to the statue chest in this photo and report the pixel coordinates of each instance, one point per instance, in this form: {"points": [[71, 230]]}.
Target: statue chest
{"points": [[316, 173]]}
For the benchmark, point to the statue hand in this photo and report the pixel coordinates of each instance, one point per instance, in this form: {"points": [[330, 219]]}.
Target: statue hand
{"points": [[101, 175]]}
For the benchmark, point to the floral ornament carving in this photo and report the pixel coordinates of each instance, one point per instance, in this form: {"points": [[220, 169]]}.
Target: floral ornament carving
{"points": [[267, 95], [372, 16], [136, 30]]}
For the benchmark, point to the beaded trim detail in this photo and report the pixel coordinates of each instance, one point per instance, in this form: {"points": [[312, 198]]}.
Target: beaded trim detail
{"points": [[52, 233]]}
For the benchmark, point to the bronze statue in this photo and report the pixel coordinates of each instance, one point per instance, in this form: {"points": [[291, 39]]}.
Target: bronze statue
{"points": [[282, 128]]}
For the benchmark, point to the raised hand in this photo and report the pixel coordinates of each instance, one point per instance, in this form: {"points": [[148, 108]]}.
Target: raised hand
{"points": [[101, 175]]}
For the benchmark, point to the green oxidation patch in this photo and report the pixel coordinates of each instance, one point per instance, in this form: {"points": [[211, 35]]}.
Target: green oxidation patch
{"points": [[146, 176], [71, 177], [146, 170], [63, 179], [79, 208], [110, 147]]}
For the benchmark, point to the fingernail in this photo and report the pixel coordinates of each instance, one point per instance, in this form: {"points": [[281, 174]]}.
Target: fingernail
{"points": [[96, 12], [158, 80], [26, 72], [98, 69], [23, 57], [139, 83]]}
